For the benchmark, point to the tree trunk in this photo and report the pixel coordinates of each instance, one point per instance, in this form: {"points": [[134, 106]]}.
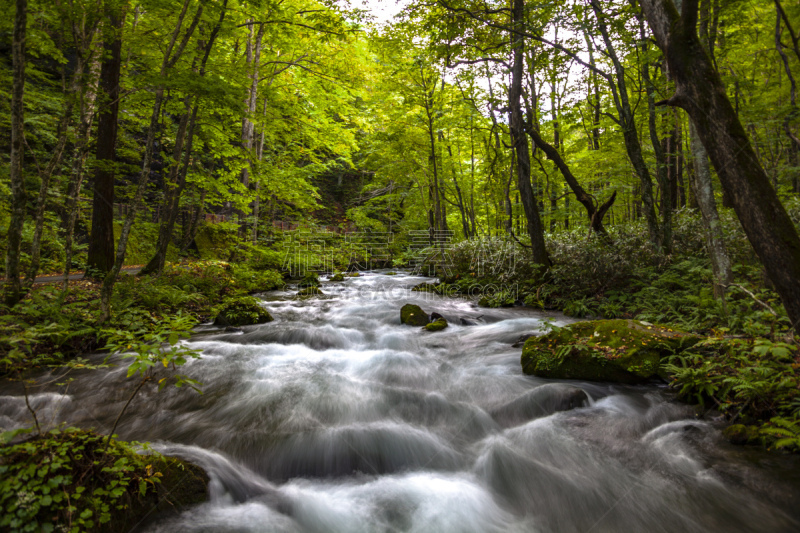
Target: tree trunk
{"points": [[58, 151], [520, 140], [18, 196], [794, 142], [101, 239], [594, 213], [630, 134], [177, 180], [169, 61], [704, 193], [700, 91]]}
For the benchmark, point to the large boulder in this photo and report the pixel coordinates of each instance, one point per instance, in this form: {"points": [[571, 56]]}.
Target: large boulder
{"points": [[624, 351], [242, 312], [413, 315], [541, 401]]}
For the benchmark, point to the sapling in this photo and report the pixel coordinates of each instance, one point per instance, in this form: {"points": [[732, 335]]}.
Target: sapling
{"points": [[148, 348]]}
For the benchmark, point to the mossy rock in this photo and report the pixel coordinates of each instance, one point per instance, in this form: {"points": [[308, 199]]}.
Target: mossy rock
{"points": [[242, 312], [425, 287], [353, 275], [437, 325], [624, 351], [337, 277], [741, 434], [309, 292], [182, 485], [391, 273], [309, 280], [413, 315]]}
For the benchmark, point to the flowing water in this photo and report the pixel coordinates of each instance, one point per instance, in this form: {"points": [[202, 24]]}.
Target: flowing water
{"points": [[337, 418]]}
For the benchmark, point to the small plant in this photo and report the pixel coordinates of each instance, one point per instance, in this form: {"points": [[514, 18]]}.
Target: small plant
{"points": [[150, 349]]}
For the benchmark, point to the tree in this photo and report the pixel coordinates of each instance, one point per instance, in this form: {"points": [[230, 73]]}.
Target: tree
{"points": [[101, 242], [701, 93], [18, 195]]}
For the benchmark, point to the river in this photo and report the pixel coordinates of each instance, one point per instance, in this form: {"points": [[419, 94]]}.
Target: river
{"points": [[337, 418]]}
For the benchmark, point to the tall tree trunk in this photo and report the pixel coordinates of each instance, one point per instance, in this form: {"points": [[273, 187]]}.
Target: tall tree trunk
{"points": [[520, 140], [630, 133], [87, 109], [794, 142], [704, 193], [661, 159], [101, 239], [177, 179], [173, 190], [18, 196], [700, 91], [55, 159], [171, 56]]}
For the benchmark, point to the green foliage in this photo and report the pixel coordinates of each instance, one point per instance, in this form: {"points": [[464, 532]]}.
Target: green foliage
{"points": [[754, 378], [66, 481], [146, 348]]}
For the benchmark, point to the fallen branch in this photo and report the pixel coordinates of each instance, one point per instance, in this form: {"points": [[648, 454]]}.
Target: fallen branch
{"points": [[753, 296]]}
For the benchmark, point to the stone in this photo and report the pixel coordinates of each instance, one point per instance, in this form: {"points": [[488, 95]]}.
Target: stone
{"points": [[308, 292], [437, 325], [337, 277], [541, 401], [624, 351], [520, 342], [242, 312], [413, 315]]}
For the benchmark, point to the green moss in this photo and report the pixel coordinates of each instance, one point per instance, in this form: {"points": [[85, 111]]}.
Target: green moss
{"points": [[625, 351], [413, 315], [437, 325], [337, 277], [309, 280], [244, 311]]}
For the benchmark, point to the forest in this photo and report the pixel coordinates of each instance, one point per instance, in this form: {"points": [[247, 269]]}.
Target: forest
{"points": [[212, 211]]}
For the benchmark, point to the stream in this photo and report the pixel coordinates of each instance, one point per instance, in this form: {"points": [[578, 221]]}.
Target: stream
{"points": [[337, 418]]}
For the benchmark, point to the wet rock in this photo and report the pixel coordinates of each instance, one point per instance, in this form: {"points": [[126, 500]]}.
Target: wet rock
{"points": [[541, 401], [521, 340], [413, 315], [437, 325], [308, 292], [337, 277], [468, 322], [232, 329], [624, 351], [242, 312], [353, 275], [741, 434], [436, 316]]}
